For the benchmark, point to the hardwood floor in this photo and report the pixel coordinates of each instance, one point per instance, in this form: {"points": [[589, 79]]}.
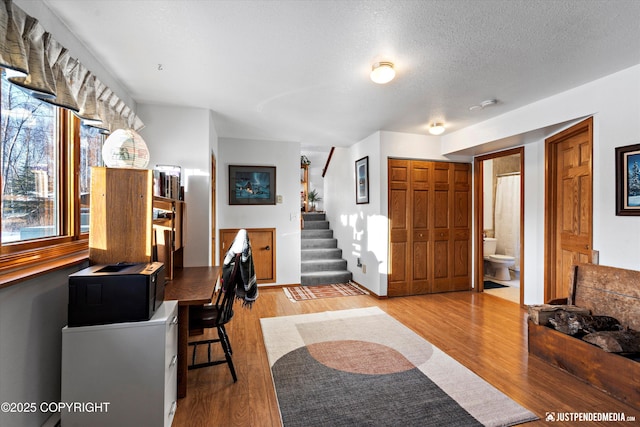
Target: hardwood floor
{"points": [[483, 332]]}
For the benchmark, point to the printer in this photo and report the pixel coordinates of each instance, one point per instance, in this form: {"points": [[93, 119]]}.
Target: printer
{"points": [[114, 293]]}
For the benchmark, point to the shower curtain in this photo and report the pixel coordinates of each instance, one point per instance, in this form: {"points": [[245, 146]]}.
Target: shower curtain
{"points": [[507, 217]]}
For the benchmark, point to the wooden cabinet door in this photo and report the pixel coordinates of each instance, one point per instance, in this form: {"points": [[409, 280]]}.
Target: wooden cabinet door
{"points": [[262, 247], [120, 229]]}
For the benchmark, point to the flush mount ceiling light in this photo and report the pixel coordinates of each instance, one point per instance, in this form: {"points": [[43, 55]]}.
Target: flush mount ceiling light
{"points": [[436, 128], [382, 72]]}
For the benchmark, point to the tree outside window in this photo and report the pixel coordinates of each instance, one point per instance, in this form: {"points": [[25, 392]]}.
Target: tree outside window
{"points": [[30, 178], [91, 141]]}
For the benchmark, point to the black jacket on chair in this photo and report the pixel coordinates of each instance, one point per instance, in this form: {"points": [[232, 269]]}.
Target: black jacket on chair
{"points": [[246, 285]]}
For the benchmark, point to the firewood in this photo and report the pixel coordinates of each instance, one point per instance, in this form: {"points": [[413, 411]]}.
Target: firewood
{"points": [[540, 314], [626, 341], [578, 324]]}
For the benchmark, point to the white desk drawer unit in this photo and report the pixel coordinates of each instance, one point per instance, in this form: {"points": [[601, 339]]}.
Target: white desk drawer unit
{"points": [[121, 374]]}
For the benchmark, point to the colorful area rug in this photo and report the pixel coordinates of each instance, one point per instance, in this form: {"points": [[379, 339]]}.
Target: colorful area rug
{"points": [[362, 367], [301, 293]]}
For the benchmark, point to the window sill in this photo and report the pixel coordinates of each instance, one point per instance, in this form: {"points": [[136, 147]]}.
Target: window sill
{"points": [[28, 265]]}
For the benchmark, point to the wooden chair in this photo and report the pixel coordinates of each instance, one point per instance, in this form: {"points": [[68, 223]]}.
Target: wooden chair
{"points": [[216, 315]]}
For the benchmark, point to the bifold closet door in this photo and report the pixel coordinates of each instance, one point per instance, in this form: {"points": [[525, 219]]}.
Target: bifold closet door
{"points": [[410, 198], [399, 276], [420, 200], [430, 227], [451, 227]]}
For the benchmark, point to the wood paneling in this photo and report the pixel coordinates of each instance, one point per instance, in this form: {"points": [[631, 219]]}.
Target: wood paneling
{"points": [[485, 333], [263, 248], [429, 231]]}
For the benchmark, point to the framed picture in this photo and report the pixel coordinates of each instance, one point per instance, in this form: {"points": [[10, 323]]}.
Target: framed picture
{"points": [[628, 180], [362, 180], [252, 185]]}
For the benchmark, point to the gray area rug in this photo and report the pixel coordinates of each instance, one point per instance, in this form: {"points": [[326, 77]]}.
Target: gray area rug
{"points": [[362, 367]]}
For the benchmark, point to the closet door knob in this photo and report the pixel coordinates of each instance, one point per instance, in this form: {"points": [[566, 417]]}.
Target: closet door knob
{"points": [[267, 248]]}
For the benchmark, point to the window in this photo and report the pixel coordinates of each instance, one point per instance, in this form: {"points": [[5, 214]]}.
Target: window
{"points": [[90, 155], [46, 160], [30, 177]]}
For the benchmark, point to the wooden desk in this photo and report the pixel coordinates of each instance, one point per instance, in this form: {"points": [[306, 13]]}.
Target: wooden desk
{"points": [[190, 286]]}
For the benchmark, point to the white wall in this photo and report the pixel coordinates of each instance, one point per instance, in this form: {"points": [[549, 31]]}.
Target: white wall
{"points": [[533, 277], [362, 230], [32, 315], [284, 217], [354, 225], [185, 137], [614, 102]]}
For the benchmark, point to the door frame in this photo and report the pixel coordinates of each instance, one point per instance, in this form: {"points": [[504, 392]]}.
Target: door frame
{"points": [[212, 213], [479, 216]]}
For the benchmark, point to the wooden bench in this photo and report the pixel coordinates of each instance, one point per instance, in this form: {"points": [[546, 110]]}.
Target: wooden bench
{"points": [[605, 291]]}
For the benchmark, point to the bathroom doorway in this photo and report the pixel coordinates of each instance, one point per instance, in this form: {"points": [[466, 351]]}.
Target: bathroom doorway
{"points": [[499, 224]]}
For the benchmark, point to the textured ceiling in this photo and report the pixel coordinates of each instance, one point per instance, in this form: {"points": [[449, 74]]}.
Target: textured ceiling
{"points": [[298, 70]]}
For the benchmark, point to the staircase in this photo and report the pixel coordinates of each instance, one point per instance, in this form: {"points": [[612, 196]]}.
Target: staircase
{"points": [[322, 262]]}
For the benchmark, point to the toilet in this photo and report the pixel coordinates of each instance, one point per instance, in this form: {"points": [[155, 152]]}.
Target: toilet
{"points": [[499, 263]]}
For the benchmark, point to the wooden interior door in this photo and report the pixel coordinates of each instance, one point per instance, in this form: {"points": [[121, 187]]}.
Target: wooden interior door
{"points": [[262, 247], [569, 196]]}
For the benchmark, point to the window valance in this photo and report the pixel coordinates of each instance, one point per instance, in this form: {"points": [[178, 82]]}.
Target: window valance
{"points": [[36, 62]]}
